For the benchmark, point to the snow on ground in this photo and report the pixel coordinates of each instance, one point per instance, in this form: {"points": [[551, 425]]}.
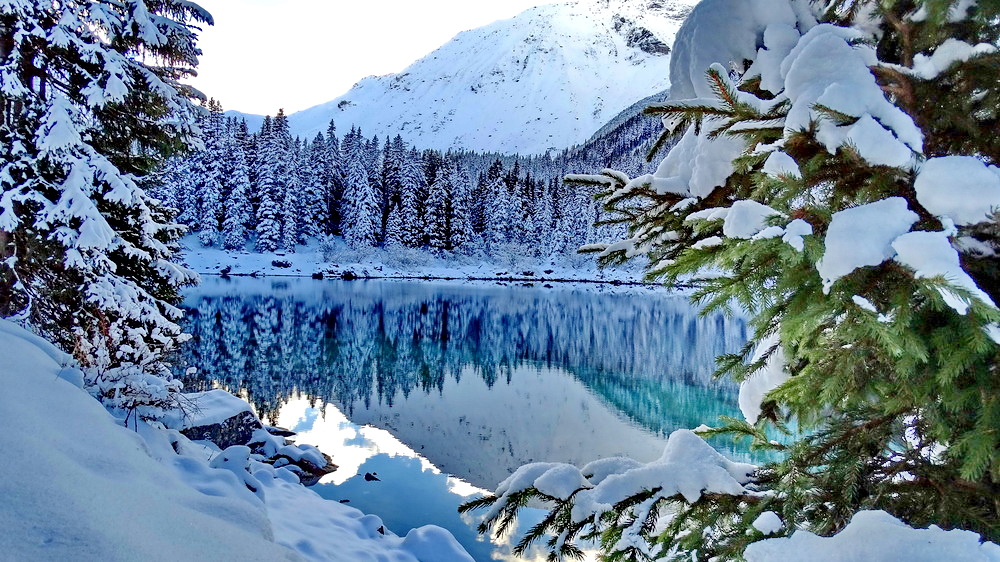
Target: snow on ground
{"points": [[876, 535], [80, 486], [309, 259]]}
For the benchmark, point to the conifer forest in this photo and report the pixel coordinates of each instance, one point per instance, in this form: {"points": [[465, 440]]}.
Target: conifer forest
{"points": [[604, 280]]}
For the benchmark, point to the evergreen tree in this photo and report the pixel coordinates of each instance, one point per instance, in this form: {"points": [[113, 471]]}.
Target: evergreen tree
{"points": [[238, 212], [292, 204], [89, 106], [852, 213], [461, 205], [439, 209], [498, 220], [275, 145], [392, 169], [313, 215], [412, 209], [209, 174], [361, 211], [333, 183]]}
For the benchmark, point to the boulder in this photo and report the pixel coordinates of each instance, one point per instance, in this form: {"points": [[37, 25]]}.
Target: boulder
{"points": [[307, 462], [215, 416]]}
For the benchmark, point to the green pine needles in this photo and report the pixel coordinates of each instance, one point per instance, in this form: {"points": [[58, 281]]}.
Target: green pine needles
{"points": [[887, 366]]}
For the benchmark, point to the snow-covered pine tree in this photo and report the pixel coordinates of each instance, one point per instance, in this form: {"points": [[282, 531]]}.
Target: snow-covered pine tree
{"points": [[499, 211], [237, 209], [291, 202], [837, 161], [333, 183], [89, 103], [373, 158], [543, 223], [314, 216], [275, 143], [392, 162], [461, 204], [439, 208], [210, 174], [412, 201], [360, 206], [394, 226]]}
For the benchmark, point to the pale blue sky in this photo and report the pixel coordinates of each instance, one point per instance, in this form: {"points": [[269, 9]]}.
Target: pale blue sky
{"points": [[266, 54]]}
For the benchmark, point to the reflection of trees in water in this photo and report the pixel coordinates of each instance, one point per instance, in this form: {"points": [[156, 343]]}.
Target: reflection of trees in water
{"points": [[363, 345]]}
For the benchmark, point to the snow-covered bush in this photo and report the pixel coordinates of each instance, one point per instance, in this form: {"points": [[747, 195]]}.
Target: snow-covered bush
{"points": [[836, 175], [91, 104]]}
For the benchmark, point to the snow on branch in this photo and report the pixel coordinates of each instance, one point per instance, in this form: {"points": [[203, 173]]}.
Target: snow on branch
{"points": [[688, 469]]}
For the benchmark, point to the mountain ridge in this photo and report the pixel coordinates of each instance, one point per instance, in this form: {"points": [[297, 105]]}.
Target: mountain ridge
{"points": [[545, 79]]}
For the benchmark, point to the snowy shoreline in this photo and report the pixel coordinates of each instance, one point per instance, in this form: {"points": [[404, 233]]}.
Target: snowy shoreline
{"points": [[309, 260], [104, 488], [520, 280]]}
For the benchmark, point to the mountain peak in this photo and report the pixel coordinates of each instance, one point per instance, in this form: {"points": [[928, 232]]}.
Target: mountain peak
{"points": [[546, 78]]}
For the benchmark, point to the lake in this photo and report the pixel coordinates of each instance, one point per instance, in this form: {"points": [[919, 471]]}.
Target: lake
{"points": [[441, 389]]}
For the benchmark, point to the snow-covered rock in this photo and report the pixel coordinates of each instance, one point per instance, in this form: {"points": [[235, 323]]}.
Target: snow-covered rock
{"points": [[547, 78], [215, 416]]}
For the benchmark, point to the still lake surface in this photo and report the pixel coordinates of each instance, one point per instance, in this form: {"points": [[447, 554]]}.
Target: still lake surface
{"points": [[443, 389]]}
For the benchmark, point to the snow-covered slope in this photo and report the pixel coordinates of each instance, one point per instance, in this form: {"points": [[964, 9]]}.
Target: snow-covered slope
{"points": [[79, 486], [547, 78]]}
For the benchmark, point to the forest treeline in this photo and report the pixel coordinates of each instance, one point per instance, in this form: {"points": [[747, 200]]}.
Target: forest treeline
{"points": [[267, 191]]}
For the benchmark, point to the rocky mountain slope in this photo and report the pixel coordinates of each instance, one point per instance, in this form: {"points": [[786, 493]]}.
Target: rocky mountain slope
{"points": [[545, 79]]}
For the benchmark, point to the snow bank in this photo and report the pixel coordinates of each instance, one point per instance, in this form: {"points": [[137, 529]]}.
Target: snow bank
{"points": [[401, 263], [80, 486], [321, 529], [876, 535]]}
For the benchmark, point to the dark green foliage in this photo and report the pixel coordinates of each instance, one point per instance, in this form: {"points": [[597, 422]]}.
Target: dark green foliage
{"points": [[897, 410]]}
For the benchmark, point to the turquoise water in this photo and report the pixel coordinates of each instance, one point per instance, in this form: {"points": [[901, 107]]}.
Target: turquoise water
{"points": [[442, 389]]}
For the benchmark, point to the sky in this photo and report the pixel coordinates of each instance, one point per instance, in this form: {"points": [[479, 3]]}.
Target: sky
{"points": [[263, 55]]}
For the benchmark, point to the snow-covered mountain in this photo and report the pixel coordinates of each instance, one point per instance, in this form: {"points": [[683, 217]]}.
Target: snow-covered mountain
{"points": [[547, 78]]}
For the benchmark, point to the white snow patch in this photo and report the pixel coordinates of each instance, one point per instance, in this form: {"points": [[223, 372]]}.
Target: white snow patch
{"points": [[779, 163], [824, 69], [746, 218], [930, 254], [862, 236], [864, 303], [993, 331], [961, 188], [768, 523], [206, 408], [710, 242], [876, 535], [772, 375], [794, 233], [951, 51], [561, 481]]}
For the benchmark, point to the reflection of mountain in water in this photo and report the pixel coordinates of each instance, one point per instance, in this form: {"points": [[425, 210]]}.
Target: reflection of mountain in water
{"points": [[360, 342]]}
